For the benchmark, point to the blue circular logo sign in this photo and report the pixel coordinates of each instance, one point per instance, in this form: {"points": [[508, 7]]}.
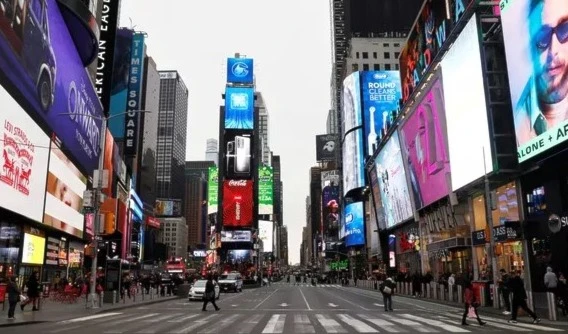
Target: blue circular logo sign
{"points": [[240, 69]]}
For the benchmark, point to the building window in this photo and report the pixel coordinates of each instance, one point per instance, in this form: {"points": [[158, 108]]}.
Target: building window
{"points": [[365, 55], [374, 55], [355, 67], [376, 67], [397, 45], [387, 67], [396, 55], [386, 45], [365, 67], [396, 67], [357, 55], [387, 55]]}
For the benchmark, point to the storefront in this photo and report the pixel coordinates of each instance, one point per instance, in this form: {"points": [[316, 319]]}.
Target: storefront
{"points": [[407, 247], [32, 253], [10, 245]]}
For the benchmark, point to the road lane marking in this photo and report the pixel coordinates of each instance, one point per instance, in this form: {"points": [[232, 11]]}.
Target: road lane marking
{"points": [[163, 317], [330, 325], [181, 319], [197, 323], [275, 324], [90, 317], [305, 300], [383, 324], [302, 324], [436, 323], [218, 327], [359, 325], [350, 302], [500, 323], [248, 325], [332, 305], [415, 325], [65, 329], [265, 299]]}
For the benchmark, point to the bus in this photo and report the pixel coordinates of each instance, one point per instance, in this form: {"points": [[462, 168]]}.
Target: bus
{"points": [[176, 265]]}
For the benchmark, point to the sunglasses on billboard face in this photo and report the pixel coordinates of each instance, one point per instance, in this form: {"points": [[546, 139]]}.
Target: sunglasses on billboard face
{"points": [[543, 38]]}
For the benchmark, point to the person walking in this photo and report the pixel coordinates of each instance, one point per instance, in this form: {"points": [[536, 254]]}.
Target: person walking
{"points": [[517, 287], [13, 296], [387, 289], [505, 292], [470, 302], [209, 295], [33, 292]]}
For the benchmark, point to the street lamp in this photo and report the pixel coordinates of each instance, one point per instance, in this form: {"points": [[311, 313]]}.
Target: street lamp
{"points": [[96, 196]]}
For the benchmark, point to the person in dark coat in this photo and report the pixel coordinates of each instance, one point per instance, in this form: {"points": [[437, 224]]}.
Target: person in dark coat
{"points": [[13, 296], [469, 301], [517, 287], [209, 295], [33, 292], [387, 289]]}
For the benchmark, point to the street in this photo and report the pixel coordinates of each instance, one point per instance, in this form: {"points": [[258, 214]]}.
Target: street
{"points": [[287, 308]]}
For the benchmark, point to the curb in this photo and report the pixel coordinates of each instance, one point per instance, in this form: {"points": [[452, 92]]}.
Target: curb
{"points": [[14, 324]]}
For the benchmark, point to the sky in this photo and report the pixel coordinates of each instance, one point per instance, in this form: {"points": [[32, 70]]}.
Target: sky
{"points": [[290, 42]]}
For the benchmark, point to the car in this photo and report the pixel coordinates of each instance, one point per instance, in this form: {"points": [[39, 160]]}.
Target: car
{"points": [[198, 289], [231, 282]]}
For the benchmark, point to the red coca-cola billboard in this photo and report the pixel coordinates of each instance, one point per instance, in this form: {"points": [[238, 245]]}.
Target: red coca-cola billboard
{"points": [[238, 206]]}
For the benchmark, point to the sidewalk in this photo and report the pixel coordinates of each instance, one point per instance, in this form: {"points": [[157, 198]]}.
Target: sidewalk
{"points": [[52, 311]]}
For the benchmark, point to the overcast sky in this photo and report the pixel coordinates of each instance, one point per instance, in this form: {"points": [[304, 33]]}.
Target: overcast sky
{"points": [[290, 44]]}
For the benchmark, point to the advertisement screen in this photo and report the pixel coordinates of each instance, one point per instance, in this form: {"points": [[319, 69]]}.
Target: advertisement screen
{"points": [[423, 138], [393, 187], [236, 236], [167, 208], [133, 100], [466, 111], [330, 211], [379, 208], [266, 234], [40, 65], [351, 103], [239, 108], [33, 249], [64, 195], [326, 147], [353, 161], [537, 63], [24, 160], [240, 70], [238, 146], [119, 88], [212, 190], [354, 224], [381, 97], [265, 190], [238, 206], [235, 256]]}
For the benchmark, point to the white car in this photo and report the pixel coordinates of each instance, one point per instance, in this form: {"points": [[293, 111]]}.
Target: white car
{"points": [[198, 289]]}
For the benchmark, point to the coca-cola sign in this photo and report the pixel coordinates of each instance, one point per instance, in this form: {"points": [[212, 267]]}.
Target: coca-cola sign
{"points": [[238, 205]]}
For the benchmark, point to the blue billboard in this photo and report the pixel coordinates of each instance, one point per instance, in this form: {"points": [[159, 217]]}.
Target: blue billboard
{"points": [[239, 108], [354, 224], [119, 86], [381, 93], [133, 101], [240, 70]]}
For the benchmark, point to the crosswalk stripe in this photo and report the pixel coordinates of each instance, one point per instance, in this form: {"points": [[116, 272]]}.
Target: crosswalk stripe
{"points": [[115, 321], [162, 317], [181, 319], [436, 323], [302, 324], [275, 324], [195, 324], [248, 325], [415, 325], [383, 324], [90, 317], [500, 323], [359, 325], [217, 327], [330, 325]]}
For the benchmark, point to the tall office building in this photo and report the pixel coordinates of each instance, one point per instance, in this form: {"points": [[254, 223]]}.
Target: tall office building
{"points": [[331, 125], [212, 151], [263, 129], [283, 254], [278, 191], [172, 131], [196, 201]]}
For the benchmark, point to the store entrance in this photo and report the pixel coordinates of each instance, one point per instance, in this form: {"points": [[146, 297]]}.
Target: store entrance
{"points": [[25, 272]]}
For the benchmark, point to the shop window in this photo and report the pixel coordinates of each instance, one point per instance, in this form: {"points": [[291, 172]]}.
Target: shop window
{"points": [[536, 201], [507, 207], [10, 243]]}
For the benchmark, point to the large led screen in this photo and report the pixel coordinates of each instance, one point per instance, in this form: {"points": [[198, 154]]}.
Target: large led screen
{"points": [[240, 70], [265, 190], [535, 33], [235, 256], [351, 102], [391, 178], [354, 224], [381, 98], [423, 138], [379, 208], [24, 160], [40, 65], [237, 148], [466, 111], [212, 190], [330, 211], [64, 194], [33, 249], [266, 234], [239, 108], [238, 203], [353, 161]]}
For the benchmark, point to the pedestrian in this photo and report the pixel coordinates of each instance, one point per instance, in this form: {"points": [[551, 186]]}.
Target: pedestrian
{"points": [[517, 287], [505, 292], [209, 295], [550, 280], [387, 288], [33, 292], [470, 303], [13, 296]]}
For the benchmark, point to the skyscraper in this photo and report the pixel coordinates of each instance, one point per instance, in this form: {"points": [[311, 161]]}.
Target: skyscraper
{"points": [[172, 131], [263, 129], [196, 201], [212, 151], [278, 191]]}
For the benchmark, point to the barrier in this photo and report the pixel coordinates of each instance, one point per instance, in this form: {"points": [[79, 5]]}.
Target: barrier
{"points": [[551, 303], [483, 300], [423, 286], [428, 290], [460, 294], [411, 289], [442, 292], [434, 290], [451, 292]]}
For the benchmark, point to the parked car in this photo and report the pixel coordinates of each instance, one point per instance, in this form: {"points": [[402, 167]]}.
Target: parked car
{"points": [[198, 289], [231, 282]]}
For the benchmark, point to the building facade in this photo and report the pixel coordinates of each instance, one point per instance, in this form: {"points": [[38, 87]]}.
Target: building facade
{"points": [[174, 236], [278, 191], [212, 151], [263, 129], [196, 201]]}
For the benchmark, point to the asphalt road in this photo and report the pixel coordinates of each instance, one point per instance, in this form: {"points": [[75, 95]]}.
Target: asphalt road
{"points": [[285, 308]]}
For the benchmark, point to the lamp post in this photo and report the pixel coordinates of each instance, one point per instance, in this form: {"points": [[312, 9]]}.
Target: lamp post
{"points": [[96, 196]]}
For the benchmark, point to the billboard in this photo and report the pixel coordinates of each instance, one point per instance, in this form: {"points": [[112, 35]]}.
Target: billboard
{"points": [[33, 249], [213, 190], [466, 111], [240, 70], [351, 103], [326, 147], [381, 100], [265, 190], [119, 86], [238, 204], [536, 56], [236, 236], [41, 68], [235, 256], [134, 98], [330, 178], [167, 208], [391, 179], [354, 224], [353, 161], [238, 146], [266, 234], [239, 108], [64, 194], [423, 137], [24, 160], [330, 211]]}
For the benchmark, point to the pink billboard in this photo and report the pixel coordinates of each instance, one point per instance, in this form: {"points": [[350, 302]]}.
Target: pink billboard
{"points": [[424, 141]]}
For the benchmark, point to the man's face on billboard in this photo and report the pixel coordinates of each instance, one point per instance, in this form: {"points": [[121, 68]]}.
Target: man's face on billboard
{"points": [[549, 34]]}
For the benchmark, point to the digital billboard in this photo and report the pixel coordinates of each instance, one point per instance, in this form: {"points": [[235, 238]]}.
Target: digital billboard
{"points": [[236, 236], [535, 33], [240, 70], [381, 100], [379, 208], [238, 204], [466, 111], [351, 103], [354, 217], [423, 141], [330, 211], [266, 234], [235, 256], [326, 147], [134, 98], [237, 149], [213, 190], [391, 178], [167, 208], [33, 249], [265, 190], [41, 68], [353, 161], [120, 76], [239, 108], [24, 160]]}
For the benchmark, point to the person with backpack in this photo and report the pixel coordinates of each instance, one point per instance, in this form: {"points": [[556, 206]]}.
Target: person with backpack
{"points": [[387, 288]]}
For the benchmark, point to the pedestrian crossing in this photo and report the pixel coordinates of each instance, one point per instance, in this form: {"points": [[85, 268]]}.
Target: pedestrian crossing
{"points": [[308, 285], [283, 322]]}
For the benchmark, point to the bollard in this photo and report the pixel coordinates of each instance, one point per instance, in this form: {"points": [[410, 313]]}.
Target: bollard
{"points": [[451, 292], [551, 302], [442, 292], [483, 301], [398, 289], [434, 291], [428, 291], [411, 289], [460, 294], [113, 297], [530, 300], [423, 286], [101, 299], [407, 288]]}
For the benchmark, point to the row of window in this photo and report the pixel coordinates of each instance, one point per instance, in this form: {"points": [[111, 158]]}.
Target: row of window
{"points": [[376, 67], [386, 55]]}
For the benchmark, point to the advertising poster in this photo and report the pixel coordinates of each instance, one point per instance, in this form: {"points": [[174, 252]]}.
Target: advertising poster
{"points": [[54, 88], [167, 208], [119, 87], [108, 161], [381, 99], [353, 161], [393, 187], [213, 190], [239, 108], [265, 190], [238, 146], [238, 206], [266, 234], [330, 211], [134, 98], [236, 236], [379, 208], [235, 256], [537, 64], [351, 103], [326, 147], [33, 249], [354, 224], [330, 178], [423, 139], [240, 70]]}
